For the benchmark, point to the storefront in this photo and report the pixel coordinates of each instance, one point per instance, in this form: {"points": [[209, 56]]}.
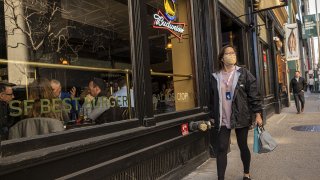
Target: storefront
{"points": [[280, 16], [143, 64], [282, 70], [271, 62], [143, 59], [265, 50]]}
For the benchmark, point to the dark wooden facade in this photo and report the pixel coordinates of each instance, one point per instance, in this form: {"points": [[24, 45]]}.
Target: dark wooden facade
{"points": [[149, 146]]}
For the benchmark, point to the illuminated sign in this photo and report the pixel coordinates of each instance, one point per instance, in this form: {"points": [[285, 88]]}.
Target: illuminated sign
{"points": [[170, 8], [161, 22], [165, 20]]}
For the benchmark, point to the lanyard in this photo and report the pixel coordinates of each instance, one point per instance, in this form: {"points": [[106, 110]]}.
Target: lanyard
{"points": [[227, 83]]}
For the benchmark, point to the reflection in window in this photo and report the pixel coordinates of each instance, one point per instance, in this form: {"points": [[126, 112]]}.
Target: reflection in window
{"points": [[67, 59], [171, 52]]}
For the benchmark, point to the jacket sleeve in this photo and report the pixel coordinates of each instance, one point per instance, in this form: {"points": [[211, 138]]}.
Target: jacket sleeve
{"points": [[103, 105], [290, 87], [254, 96]]}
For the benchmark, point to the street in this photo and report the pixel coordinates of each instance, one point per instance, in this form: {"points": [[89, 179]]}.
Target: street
{"points": [[296, 157]]}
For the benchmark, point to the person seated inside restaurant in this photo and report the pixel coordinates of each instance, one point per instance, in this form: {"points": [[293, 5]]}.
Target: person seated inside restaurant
{"points": [[70, 97], [161, 96], [121, 98], [122, 94], [6, 121], [41, 114], [169, 95], [100, 103]]}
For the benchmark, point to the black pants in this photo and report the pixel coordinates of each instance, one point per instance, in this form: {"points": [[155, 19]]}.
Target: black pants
{"points": [[311, 88], [223, 144], [299, 98]]}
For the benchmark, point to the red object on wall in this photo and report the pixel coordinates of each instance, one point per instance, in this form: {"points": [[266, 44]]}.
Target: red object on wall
{"points": [[184, 129], [265, 65]]}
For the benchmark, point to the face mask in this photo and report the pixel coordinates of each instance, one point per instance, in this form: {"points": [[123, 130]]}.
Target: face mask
{"points": [[230, 59]]}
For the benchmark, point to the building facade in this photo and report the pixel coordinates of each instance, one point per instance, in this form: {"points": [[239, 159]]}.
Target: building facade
{"points": [[154, 57]]}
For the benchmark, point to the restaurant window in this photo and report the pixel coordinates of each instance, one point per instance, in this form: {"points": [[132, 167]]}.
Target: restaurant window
{"points": [[68, 63], [171, 55]]}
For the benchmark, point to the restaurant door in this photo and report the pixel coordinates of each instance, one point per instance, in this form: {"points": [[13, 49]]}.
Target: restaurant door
{"points": [[232, 34]]}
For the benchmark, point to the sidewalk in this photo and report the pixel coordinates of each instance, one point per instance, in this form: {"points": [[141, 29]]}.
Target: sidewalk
{"points": [[296, 157]]}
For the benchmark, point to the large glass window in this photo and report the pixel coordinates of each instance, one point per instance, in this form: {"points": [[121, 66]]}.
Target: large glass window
{"points": [[171, 55], [68, 63]]}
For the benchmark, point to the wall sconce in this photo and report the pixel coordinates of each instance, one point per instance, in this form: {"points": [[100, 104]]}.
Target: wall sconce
{"points": [[169, 45]]}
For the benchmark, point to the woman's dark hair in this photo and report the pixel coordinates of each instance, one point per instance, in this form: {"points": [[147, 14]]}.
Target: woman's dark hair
{"points": [[221, 54]]}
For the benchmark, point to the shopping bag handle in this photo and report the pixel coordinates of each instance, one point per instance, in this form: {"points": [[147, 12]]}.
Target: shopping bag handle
{"points": [[260, 129]]}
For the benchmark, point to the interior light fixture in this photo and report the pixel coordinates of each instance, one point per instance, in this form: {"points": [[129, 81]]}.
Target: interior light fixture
{"points": [[169, 45], [64, 61]]}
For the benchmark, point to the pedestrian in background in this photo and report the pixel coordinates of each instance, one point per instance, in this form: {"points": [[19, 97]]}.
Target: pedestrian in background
{"points": [[311, 83], [297, 86], [233, 96]]}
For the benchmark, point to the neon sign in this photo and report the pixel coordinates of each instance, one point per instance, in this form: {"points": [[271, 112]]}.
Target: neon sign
{"points": [[161, 22], [165, 20]]}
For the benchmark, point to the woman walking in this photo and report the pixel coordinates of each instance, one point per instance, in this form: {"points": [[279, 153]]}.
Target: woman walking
{"points": [[234, 97]]}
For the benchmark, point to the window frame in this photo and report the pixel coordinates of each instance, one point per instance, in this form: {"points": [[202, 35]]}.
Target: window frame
{"points": [[11, 147], [156, 118]]}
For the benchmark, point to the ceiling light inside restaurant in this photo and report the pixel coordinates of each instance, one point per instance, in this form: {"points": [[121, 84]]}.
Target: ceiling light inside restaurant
{"points": [[64, 61]]}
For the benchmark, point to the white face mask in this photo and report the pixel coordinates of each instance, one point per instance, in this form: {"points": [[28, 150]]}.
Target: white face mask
{"points": [[230, 59]]}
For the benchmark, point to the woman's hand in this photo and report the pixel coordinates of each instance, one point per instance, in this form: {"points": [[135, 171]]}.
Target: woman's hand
{"points": [[259, 119]]}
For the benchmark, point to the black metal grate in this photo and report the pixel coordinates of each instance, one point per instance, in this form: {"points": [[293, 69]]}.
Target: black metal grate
{"points": [[162, 164], [308, 128]]}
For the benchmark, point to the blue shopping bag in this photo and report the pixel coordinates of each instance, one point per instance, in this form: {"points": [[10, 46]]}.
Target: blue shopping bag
{"points": [[256, 140]]}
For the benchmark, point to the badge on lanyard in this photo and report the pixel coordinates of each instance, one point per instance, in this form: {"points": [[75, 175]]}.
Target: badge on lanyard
{"points": [[228, 96], [228, 93]]}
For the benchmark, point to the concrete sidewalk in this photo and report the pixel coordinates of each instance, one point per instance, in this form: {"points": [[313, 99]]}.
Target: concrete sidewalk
{"points": [[296, 157]]}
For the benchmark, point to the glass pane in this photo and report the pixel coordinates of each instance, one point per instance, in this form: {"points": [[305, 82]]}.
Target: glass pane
{"points": [[232, 34], [266, 70], [69, 62], [171, 55]]}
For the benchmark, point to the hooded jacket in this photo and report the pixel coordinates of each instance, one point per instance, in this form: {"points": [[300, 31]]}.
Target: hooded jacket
{"points": [[246, 99]]}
